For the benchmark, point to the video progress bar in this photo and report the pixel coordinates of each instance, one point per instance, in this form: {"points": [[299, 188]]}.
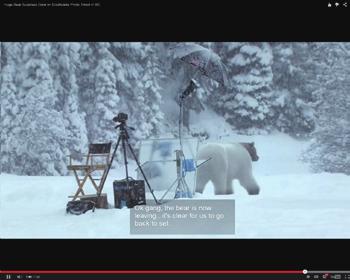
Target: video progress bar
{"points": [[151, 271], [152, 275]]}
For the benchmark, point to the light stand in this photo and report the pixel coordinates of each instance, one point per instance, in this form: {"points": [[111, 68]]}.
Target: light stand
{"points": [[193, 85], [182, 189]]}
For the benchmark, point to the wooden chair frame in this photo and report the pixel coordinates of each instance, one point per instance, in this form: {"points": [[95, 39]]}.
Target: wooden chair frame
{"points": [[88, 168]]}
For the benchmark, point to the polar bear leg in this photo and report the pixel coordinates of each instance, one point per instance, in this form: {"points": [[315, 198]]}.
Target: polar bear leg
{"points": [[249, 183], [202, 179], [219, 182], [229, 186]]}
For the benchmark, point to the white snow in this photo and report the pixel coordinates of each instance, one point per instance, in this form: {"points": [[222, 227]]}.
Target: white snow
{"points": [[249, 49], [250, 101], [239, 60], [293, 203], [205, 120], [282, 98]]}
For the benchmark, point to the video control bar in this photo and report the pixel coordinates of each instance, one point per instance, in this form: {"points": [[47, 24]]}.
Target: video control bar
{"points": [[154, 275], [331, 275], [161, 275]]}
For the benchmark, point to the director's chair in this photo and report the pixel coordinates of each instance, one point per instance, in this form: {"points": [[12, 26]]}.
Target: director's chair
{"points": [[97, 159]]}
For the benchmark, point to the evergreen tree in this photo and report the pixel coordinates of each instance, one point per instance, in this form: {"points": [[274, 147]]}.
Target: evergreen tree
{"points": [[330, 148], [293, 69], [249, 101], [139, 86], [64, 61], [40, 144], [55, 97], [147, 96], [106, 102], [9, 108], [86, 71]]}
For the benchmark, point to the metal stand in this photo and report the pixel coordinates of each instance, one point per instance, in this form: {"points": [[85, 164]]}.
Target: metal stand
{"points": [[123, 137], [181, 115], [193, 85], [182, 189]]}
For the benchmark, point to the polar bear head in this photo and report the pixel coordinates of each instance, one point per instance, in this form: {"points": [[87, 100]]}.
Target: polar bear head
{"points": [[250, 147]]}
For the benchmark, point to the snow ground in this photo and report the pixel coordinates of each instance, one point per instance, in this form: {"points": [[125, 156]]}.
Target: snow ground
{"points": [[293, 203]]}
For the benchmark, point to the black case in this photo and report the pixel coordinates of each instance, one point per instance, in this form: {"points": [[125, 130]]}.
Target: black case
{"points": [[129, 196]]}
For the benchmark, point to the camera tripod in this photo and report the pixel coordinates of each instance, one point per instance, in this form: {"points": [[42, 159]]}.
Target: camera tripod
{"points": [[124, 139]]}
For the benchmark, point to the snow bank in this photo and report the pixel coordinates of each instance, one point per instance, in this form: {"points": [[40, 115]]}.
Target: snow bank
{"points": [[293, 203]]}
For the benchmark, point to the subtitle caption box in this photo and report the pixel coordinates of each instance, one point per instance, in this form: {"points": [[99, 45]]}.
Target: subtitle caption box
{"points": [[184, 217]]}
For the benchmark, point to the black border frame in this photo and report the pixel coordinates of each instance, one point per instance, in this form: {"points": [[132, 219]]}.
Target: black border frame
{"points": [[152, 20], [173, 254]]}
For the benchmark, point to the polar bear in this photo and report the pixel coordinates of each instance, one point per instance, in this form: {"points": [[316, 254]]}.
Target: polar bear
{"points": [[228, 161]]}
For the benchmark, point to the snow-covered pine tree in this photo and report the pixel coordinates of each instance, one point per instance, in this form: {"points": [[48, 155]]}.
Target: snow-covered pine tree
{"points": [[105, 102], [147, 95], [88, 59], [100, 75], [11, 52], [64, 62], [331, 144], [9, 102], [9, 110], [249, 101], [41, 139], [292, 73], [139, 87]]}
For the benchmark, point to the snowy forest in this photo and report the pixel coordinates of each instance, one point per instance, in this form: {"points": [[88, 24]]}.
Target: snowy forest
{"points": [[58, 97]]}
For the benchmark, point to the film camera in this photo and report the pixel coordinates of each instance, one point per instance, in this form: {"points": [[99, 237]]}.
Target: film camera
{"points": [[121, 117]]}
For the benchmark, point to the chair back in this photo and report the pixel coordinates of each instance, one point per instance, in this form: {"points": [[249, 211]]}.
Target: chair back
{"points": [[100, 149]]}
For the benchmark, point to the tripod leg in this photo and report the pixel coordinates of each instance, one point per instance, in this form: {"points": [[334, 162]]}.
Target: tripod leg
{"points": [[173, 184], [125, 163], [143, 174], [106, 173]]}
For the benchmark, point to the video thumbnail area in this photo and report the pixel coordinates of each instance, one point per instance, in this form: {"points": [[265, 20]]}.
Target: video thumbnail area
{"points": [[174, 140]]}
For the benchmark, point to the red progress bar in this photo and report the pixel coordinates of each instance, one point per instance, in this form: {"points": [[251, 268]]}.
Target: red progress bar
{"points": [[151, 272]]}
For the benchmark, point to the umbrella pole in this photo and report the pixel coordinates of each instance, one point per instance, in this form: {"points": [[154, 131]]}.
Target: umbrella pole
{"points": [[181, 121], [190, 89]]}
